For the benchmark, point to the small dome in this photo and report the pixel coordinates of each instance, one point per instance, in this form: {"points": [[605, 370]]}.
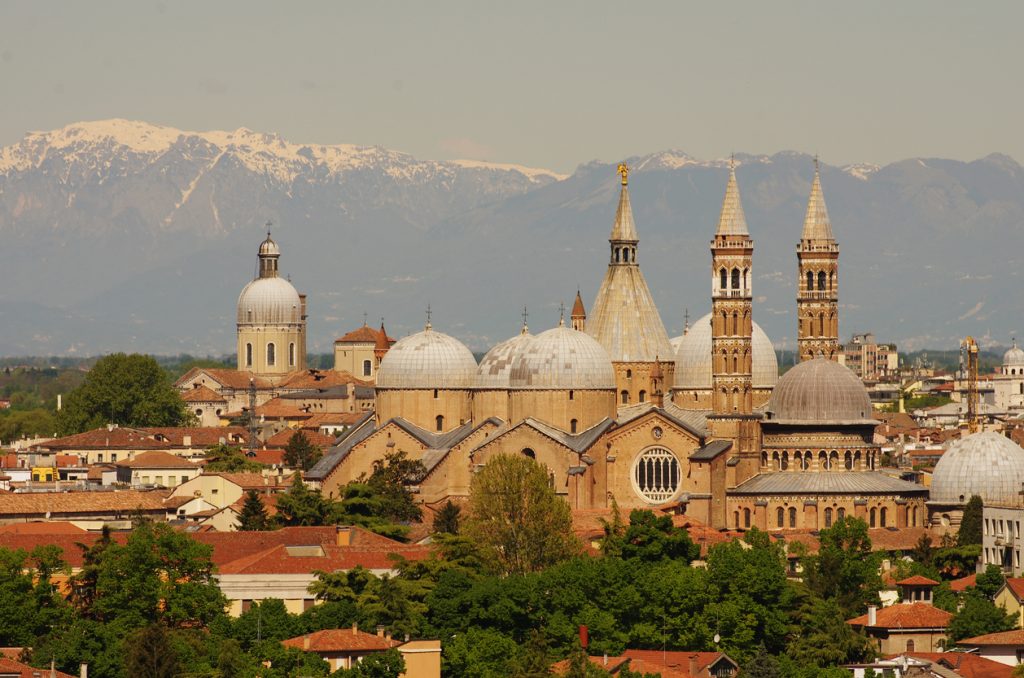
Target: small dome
{"points": [[269, 248], [1014, 357], [986, 464], [693, 358], [269, 301], [427, 359], [563, 359], [820, 391], [495, 371]]}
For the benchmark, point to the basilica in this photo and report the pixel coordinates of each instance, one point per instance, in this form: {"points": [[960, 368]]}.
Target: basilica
{"points": [[701, 424]]}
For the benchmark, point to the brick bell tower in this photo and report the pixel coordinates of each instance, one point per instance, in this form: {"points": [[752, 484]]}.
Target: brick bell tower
{"points": [[817, 296]]}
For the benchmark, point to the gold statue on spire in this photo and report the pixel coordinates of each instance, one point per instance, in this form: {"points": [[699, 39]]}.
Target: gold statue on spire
{"points": [[624, 172]]}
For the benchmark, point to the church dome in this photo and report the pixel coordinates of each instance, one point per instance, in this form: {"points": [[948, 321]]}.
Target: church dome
{"points": [[693, 358], [269, 301], [269, 248], [986, 464], [820, 391], [1014, 357], [495, 371], [426, 360], [563, 359]]}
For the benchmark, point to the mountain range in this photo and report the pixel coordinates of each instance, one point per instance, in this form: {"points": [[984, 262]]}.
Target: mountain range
{"points": [[122, 235]]}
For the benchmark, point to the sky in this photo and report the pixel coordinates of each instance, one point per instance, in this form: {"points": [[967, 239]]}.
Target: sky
{"points": [[546, 84]]}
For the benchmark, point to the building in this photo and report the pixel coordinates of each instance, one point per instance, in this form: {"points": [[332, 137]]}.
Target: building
{"points": [[666, 664], [817, 256], [360, 351], [985, 464], [161, 469], [870, 360], [1008, 382], [1006, 647], [1010, 597], [1001, 541], [344, 648], [914, 625]]}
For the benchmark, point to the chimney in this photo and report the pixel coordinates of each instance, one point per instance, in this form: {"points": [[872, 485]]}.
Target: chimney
{"points": [[380, 630], [584, 637], [83, 670], [305, 642], [186, 441], [53, 668], [355, 628], [344, 534], [693, 665], [872, 615]]}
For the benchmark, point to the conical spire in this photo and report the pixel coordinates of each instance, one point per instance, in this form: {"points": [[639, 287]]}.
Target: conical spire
{"points": [[624, 228], [732, 221], [816, 224]]}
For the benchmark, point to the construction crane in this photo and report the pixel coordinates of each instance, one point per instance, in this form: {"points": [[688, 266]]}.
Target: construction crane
{"points": [[969, 368]]}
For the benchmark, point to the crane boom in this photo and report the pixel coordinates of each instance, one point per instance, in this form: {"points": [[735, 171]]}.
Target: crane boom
{"points": [[969, 365]]}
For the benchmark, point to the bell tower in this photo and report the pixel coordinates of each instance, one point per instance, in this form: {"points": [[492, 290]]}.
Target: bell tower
{"points": [[817, 297]]}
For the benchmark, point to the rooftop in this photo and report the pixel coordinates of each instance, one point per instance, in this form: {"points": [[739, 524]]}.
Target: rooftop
{"points": [[906, 616]]}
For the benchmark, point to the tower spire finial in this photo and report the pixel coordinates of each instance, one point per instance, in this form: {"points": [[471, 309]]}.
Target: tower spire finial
{"points": [[686, 320], [561, 314], [428, 325], [525, 328], [268, 225], [623, 171]]}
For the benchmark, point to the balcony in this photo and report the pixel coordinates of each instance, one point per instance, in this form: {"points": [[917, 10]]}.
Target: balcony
{"points": [[816, 294]]}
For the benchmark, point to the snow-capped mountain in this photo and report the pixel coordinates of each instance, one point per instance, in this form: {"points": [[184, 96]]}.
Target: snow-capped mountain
{"points": [[122, 235]]}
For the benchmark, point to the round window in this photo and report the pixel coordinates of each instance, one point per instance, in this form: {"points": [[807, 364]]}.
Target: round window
{"points": [[656, 475], [657, 432]]}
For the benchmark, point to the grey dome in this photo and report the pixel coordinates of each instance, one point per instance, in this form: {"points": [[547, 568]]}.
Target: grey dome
{"points": [[693, 358], [1014, 357], [269, 248], [986, 464], [820, 391], [427, 360], [269, 301], [495, 371], [563, 358]]}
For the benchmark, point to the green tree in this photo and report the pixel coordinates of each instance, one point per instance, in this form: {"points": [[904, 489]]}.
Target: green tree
{"points": [[303, 506], [761, 665], [150, 654], [479, 653], [650, 538], [970, 525], [845, 569], [26, 423], [391, 479], [127, 390], [362, 505], [265, 620], [446, 521], [253, 516], [821, 637], [300, 453], [389, 664], [516, 517], [222, 458], [977, 616], [990, 581]]}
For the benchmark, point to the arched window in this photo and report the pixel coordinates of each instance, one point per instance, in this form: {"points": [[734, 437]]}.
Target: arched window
{"points": [[831, 280], [723, 283], [856, 459], [735, 323], [840, 514], [642, 396], [872, 517], [629, 374], [822, 460], [291, 354], [435, 394], [775, 460], [735, 399], [792, 516], [833, 459], [271, 354], [439, 420], [656, 475], [910, 645], [199, 411], [821, 324], [805, 463], [913, 516], [764, 459], [780, 517], [821, 281], [625, 397], [248, 355], [785, 461], [735, 278], [735, 362], [810, 281], [617, 255], [746, 517], [848, 461], [367, 366], [882, 517], [572, 425], [828, 517], [527, 452], [736, 515]]}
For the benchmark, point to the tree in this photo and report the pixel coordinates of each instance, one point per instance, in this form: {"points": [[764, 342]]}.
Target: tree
{"points": [[362, 505], [389, 664], [222, 458], [300, 453], [126, 390], [516, 517], [762, 665], [977, 616], [650, 537], [845, 569], [990, 581], [391, 479], [446, 521], [303, 506], [821, 637], [150, 654], [970, 525], [253, 516]]}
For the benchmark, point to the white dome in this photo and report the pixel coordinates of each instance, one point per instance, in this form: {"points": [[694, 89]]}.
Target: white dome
{"points": [[674, 342], [269, 301], [693, 358], [495, 371], [1014, 357], [563, 359], [986, 464], [427, 359]]}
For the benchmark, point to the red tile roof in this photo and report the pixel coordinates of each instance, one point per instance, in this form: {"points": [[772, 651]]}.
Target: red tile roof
{"points": [[316, 379], [39, 527], [363, 335], [282, 438], [917, 580], [1014, 637], [160, 438], [906, 616], [963, 583], [328, 558], [275, 408], [202, 394], [1016, 586], [157, 459], [667, 664], [967, 664], [14, 668], [234, 379], [71, 503], [341, 640]]}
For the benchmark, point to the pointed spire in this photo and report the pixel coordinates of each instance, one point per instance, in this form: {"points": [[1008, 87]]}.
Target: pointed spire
{"points": [[428, 326], [577, 307], [382, 338], [624, 228], [561, 314], [526, 328], [732, 221], [816, 224]]}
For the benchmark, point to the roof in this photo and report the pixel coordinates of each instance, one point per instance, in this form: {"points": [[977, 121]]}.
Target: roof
{"points": [[688, 420], [577, 442], [889, 539], [986, 464], [963, 583], [906, 616], [40, 527], [157, 459], [732, 221], [966, 664], [1014, 637], [578, 310], [427, 360], [275, 408], [711, 450], [845, 482], [11, 667], [693, 358], [323, 557], [157, 438], [817, 226], [341, 640], [1016, 586], [282, 438], [563, 359], [318, 380], [820, 391], [362, 335], [667, 664], [201, 394], [233, 379], [334, 456], [917, 580], [70, 503]]}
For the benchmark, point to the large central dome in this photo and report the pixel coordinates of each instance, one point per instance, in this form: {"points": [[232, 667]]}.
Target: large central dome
{"points": [[986, 464], [693, 358], [427, 360], [269, 301], [563, 359], [820, 391]]}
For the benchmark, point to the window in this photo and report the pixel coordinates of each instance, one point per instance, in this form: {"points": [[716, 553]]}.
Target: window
{"points": [[792, 516], [735, 278], [873, 515], [271, 354], [642, 396], [291, 354], [572, 426], [848, 461], [159, 480], [113, 457], [439, 420], [629, 374], [723, 284], [881, 517], [656, 475], [810, 280], [199, 411], [435, 394], [785, 461], [746, 517], [368, 366], [780, 517], [910, 645], [840, 514], [145, 480], [248, 355], [527, 452], [828, 517], [625, 397], [571, 394], [821, 281]]}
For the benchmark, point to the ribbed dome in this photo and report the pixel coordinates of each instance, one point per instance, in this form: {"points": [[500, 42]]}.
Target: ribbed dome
{"points": [[563, 358], [427, 359], [269, 248], [986, 464], [1014, 357], [495, 371], [820, 391], [693, 358], [269, 301]]}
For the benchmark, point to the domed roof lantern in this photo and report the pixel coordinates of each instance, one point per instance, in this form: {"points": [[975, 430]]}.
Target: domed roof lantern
{"points": [[269, 254]]}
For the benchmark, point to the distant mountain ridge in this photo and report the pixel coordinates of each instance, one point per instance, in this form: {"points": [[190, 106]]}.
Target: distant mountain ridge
{"points": [[123, 235]]}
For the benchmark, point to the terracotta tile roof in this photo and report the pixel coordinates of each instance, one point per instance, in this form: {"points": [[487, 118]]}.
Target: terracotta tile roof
{"points": [[267, 457], [332, 419], [55, 527], [966, 664], [882, 538], [15, 668], [1014, 637], [1016, 586], [160, 438], [202, 394], [906, 616], [917, 580], [234, 379], [274, 408], [341, 640], [157, 459], [255, 481], [963, 583], [282, 438], [67, 460], [70, 503], [69, 544], [307, 380], [667, 664], [384, 342], [9, 460], [201, 436], [363, 335], [328, 558]]}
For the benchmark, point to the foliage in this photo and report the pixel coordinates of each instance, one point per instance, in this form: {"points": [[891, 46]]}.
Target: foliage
{"points": [[990, 581], [16, 424], [390, 480], [222, 458], [253, 516], [303, 506], [150, 654], [515, 515], [127, 390], [388, 664], [821, 637], [362, 505], [300, 453], [970, 525], [761, 665], [652, 538], [446, 521], [977, 616], [845, 569]]}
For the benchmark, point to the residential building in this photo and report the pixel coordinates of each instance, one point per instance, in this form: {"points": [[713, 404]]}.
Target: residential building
{"points": [[870, 360], [156, 467], [1006, 647], [914, 625], [344, 648], [1010, 597]]}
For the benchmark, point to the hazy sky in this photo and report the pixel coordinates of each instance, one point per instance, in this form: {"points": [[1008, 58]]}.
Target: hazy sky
{"points": [[545, 83]]}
